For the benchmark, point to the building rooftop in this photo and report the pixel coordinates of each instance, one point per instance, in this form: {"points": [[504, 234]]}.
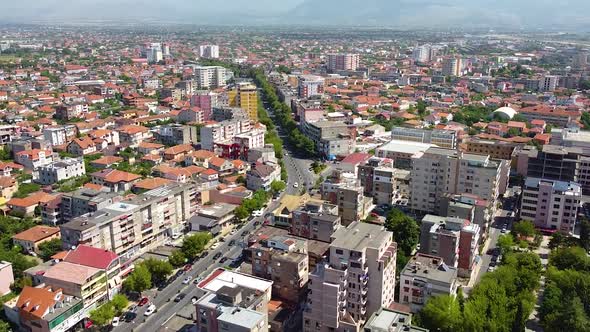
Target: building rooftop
{"points": [[406, 146], [36, 233], [220, 278], [359, 235], [430, 267], [70, 272], [387, 320], [218, 210], [90, 256], [245, 318]]}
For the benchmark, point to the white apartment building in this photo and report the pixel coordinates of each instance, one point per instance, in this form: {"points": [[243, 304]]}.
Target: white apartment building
{"points": [[154, 52], [426, 276], [551, 204], [211, 77], [209, 51], [310, 85], [134, 226], [442, 138], [59, 135], [452, 66], [223, 131], [548, 83], [443, 171], [60, 170], [422, 53], [342, 296]]}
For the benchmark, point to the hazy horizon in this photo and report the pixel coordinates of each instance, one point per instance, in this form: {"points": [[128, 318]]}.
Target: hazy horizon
{"points": [[395, 13]]}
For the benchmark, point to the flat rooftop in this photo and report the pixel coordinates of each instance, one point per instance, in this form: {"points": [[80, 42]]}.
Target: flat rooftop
{"points": [[431, 268], [359, 235], [221, 277], [405, 146]]}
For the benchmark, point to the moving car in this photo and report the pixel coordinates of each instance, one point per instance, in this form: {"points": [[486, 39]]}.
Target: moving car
{"points": [[143, 301], [150, 310], [179, 297], [217, 255], [187, 280], [223, 260], [295, 185]]}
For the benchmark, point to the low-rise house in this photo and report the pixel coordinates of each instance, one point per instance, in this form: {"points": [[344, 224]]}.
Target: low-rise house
{"points": [[6, 277], [82, 146], [177, 152], [199, 158], [213, 218], [150, 148], [8, 186], [60, 170], [115, 180], [109, 136], [260, 176], [132, 135], [26, 206], [221, 165], [149, 184], [30, 239], [106, 162], [32, 159]]}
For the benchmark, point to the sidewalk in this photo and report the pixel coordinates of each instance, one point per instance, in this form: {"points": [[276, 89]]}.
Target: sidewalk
{"points": [[534, 324]]}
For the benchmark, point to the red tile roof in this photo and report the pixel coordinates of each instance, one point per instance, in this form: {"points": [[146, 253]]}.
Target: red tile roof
{"points": [[92, 257]]}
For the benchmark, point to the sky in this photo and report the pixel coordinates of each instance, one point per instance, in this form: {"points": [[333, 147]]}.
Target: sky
{"points": [[396, 13]]}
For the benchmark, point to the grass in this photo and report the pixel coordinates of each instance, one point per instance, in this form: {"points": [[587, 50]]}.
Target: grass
{"points": [[8, 58]]}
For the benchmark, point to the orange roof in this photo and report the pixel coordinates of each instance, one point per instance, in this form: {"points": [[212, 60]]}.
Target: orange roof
{"points": [[151, 183], [133, 129], [34, 153], [149, 145], [36, 234], [177, 149], [93, 186], [84, 143], [37, 301], [216, 161], [209, 172], [107, 160], [32, 199], [202, 154], [114, 176]]}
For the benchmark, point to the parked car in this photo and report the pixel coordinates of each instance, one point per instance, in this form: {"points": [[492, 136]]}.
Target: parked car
{"points": [[115, 322], [143, 301], [179, 297], [215, 246], [187, 267], [187, 280], [232, 242], [194, 300], [150, 310], [295, 185], [204, 254], [197, 280], [217, 255], [223, 260], [244, 233], [130, 316]]}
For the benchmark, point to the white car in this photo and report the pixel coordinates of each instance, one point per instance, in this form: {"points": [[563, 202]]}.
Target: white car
{"points": [[194, 300], [295, 185], [150, 310], [215, 245], [257, 213], [115, 322], [187, 280], [491, 268]]}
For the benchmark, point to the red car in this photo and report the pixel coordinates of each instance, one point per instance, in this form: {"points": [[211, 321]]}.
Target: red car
{"points": [[143, 301], [187, 267]]}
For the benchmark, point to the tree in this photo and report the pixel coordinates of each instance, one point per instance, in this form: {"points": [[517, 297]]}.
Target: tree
{"points": [[177, 258], [159, 269], [241, 212], [20, 283], [524, 228], [50, 248], [585, 234], [241, 179], [139, 280], [570, 258], [119, 303], [441, 313], [505, 243], [25, 189], [103, 315], [193, 245], [405, 230], [277, 186]]}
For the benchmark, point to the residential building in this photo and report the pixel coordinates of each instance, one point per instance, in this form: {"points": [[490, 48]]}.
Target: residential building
{"points": [[265, 154], [31, 238], [310, 86], [402, 152], [77, 203], [556, 116], [442, 138], [453, 239], [245, 96], [61, 135], [467, 206], [342, 295], [548, 83], [571, 138], [260, 176], [115, 180], [382, 181], [111, 137], [204, 101], [82, 146], [452, 66], [132, 135], [494, 149], [213, 218], [133, 226], [209, 51], [343, 62], [240, 145], [388, 320], [426, 276], [28, 205], [71, 111], [568, 164], [315, 220], [33, 159], [445, 171], [234, 302], [212, 77], [222, 132], [551, 204], [60, 170], [84, 282], [422, 54], [154, 53], [284, 261], [331, 138], [6, 277], [176, 134]]}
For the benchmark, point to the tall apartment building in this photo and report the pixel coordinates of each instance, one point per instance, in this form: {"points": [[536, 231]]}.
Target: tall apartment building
{"points": [[310, 86], [494, 149], [443, 171], [210, 77], [452, 66], [422, 53], [426, 276], [234, 302], [244, 95], [209, 51], [442, 138], [455, 240], [382, 181], [154, 52], [343, 62], [357, 280], [568, 164], [317, 221], [176, 134], [352, 203], [60, 135], [402, 152], [134, 226], [571, 138], [548, 83], [551, 204], [470, 207], [205, 102], [283, 260], [223, 131], [331, 138]]}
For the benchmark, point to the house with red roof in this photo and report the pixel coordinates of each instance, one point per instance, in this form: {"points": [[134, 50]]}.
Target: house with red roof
{"points": [[115, 180]]}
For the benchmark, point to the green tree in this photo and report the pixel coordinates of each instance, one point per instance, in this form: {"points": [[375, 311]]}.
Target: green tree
{"points": [[103, 315], [524, 228], [585, 234], [405, 230], [193, 245], [159, 269], [139, 280], [574, 258], [241, 212], [177, 258], [277, 186], [505, 243], [441, 313], [50, 248], [119, 303], [20, 283], [25, 189]]}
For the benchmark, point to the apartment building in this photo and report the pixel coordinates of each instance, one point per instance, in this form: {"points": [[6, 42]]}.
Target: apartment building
{"points": [[59, 135], [343, 62], [245, 96], [548, 83], [341, 295], [176, 134], [452, 66], [551, 204], [70, 111], [223, 132], [211, 77], [315, 220], [33, 159], [494, 149], [571, 138], [77, 203], [310, 86], [557, 116], [470, 207], [132, 135], [382, 181], [234, 302], [204, 100], [60, 170], [443, 171], [241, 144], [332, 138], [388, 320], [283, 260], [213, 218], [134, 226], [426, 276], [85, 282], [402, 152], [209, 51], [442, 138], [115, 180], [455, 240]]}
